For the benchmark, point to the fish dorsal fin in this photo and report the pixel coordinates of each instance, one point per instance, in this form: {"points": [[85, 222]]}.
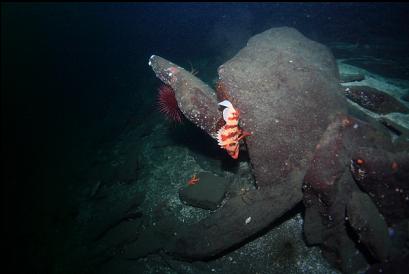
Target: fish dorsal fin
{"points": [[227, 110], [226, 114], [226, 103]]}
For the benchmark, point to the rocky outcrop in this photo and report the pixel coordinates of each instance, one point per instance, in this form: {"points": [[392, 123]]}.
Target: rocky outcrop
{"points": [[287, 90], [303, 146], [239, 219], [327, 189], [374, 100], [341, 218]]}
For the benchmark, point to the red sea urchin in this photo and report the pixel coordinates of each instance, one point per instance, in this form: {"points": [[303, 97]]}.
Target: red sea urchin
{"points": [[168, 105]]}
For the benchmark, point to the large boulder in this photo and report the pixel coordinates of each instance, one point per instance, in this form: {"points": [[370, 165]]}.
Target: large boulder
{"points": [[286, 87]]}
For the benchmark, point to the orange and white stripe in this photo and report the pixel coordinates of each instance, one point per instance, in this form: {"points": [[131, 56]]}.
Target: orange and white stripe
{"points": [[230, 134]]}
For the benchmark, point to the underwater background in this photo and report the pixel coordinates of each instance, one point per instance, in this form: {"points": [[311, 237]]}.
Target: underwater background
{"points": [[83, 140]]}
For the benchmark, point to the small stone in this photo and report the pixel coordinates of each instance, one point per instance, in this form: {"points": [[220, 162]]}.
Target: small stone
{"points": [[208, 193]]}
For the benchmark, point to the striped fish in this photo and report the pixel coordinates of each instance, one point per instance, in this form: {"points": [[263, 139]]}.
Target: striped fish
{"points": [[229, 135]]}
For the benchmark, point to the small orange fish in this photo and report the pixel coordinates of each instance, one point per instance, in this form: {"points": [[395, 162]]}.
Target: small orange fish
{"points": [[230, 134], [194, 180]]}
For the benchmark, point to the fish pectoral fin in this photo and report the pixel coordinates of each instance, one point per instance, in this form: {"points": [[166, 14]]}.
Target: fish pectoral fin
{"points": [[243, 135]]}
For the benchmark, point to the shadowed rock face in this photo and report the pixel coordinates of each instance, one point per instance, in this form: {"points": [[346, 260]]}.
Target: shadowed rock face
{"points": [[286, 87]]}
